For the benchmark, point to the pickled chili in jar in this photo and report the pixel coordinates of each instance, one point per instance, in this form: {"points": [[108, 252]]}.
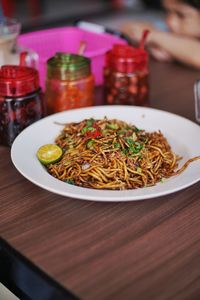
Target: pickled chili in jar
{"points": [[69, 82], [21, 101], [126, 76]]}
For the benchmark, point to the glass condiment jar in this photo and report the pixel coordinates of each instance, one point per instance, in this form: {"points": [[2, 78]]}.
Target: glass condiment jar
{"points": [[69, 82], [126, 76], [21, 101], [10, 51]]}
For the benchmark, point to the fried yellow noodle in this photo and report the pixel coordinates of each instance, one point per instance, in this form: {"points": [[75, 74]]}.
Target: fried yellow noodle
{"points": [[111, 154]]}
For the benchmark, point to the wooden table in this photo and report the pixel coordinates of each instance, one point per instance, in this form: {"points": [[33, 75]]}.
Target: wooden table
{"points": [[137, 250]]}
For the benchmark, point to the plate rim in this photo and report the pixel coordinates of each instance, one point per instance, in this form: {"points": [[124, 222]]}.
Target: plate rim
{"points": [[114, 198]]}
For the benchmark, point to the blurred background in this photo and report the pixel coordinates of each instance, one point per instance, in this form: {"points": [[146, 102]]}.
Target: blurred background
{"points": [[39, 14]]}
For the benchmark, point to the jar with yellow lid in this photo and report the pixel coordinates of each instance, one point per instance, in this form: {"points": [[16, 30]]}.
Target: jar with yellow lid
{"points": [[69, 82]]}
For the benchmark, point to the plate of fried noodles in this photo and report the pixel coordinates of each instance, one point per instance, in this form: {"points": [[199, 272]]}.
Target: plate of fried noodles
{"points": [[112, 153]]}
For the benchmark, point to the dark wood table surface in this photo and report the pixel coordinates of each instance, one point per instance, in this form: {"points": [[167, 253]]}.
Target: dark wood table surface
{"points": [[135, 250]]}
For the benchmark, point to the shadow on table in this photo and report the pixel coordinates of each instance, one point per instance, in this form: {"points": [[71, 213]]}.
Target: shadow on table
{"points": [[25, 280]]}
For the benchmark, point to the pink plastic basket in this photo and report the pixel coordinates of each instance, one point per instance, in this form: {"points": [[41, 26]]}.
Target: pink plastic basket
{"points": [[67, 39]]}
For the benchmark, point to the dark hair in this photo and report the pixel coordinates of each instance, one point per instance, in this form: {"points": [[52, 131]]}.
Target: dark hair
{"points": [[193, 3]]}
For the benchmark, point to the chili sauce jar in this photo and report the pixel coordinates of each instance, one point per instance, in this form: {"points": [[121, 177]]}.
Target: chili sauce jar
{"points": [[126, 76], [69, 82], [21, 101]]}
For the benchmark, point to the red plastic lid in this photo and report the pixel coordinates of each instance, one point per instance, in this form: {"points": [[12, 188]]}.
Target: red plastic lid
{"points": [[126, 59], [18, 81]]}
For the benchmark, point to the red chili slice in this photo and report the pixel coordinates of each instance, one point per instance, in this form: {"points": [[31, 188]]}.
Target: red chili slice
{"points": [[94, 134]]}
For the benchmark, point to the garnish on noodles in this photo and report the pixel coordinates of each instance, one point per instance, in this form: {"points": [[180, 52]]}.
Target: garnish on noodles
{"points": [[111, 154]]}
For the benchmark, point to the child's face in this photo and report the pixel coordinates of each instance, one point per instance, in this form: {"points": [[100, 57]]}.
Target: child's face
{"points": [[182, 18]]}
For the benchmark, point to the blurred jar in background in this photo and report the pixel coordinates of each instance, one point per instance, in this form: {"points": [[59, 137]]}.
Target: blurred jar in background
{"points": [[9, 30], [126, 76], [21, 101], [69, 82], [10, 52]]}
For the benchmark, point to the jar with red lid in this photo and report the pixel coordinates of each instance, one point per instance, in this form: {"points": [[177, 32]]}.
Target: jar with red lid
{"points": [[21, 101], [126, 76], [69, 82]]}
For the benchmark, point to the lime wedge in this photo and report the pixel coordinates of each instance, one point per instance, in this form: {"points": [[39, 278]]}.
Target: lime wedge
{"points": [[49, 154]]}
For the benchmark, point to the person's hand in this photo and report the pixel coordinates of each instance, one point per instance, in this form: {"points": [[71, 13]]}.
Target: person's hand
{"points": [[160, 54], [136, 29]]}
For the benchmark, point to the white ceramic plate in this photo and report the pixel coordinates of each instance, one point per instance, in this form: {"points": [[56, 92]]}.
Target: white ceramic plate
{"points": [[182, 134]]}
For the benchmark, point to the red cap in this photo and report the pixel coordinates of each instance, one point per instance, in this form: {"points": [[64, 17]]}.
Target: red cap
{"points": [[18, 81], [126, 59]]}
